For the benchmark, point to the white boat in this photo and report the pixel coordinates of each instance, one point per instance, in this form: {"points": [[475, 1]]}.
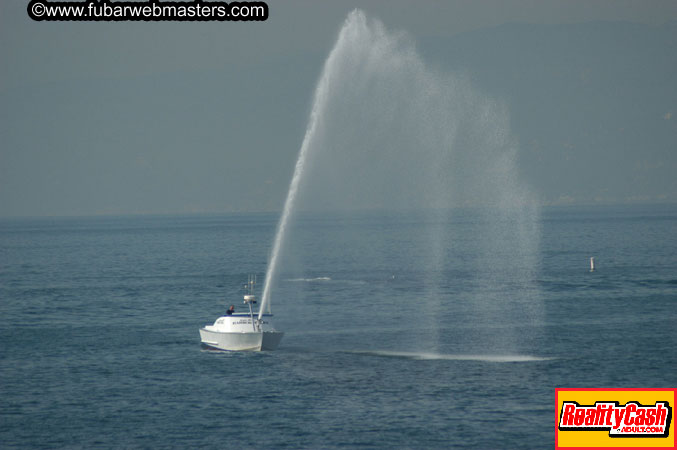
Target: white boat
{"points": [[248, 331]]}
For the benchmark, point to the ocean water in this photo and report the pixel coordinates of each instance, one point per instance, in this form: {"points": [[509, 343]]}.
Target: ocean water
{"points": [[384, 346]]}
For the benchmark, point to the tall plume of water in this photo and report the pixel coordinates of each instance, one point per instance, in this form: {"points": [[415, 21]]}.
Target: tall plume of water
{"points": [[387, 132], [319, 103]]}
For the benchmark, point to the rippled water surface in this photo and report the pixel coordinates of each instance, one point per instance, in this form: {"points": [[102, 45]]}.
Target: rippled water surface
{"points": [[99, 323]]}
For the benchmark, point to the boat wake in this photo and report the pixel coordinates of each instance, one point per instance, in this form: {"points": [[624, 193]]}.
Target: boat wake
{"points": [[440, 356]]}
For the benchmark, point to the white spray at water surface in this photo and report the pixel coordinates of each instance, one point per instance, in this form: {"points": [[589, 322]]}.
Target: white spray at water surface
{"points": [[388, 133]]}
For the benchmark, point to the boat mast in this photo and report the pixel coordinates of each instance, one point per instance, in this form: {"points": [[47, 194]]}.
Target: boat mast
{"points": [[249, 298]]}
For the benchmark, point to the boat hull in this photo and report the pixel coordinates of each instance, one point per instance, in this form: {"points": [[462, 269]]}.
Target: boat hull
{"points": [[241, 341]]}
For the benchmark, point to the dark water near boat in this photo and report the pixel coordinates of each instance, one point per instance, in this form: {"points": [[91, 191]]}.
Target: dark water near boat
{"points": [[99, 323]]}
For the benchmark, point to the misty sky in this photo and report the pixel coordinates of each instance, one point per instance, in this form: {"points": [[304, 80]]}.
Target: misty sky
{"points": [[143, 117]]}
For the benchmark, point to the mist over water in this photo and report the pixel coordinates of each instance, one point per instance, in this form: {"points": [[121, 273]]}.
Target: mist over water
{"points": [[388, 133]]}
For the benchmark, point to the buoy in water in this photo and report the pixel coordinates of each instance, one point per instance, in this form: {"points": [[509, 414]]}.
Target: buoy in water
{"points": [[592, 264]]}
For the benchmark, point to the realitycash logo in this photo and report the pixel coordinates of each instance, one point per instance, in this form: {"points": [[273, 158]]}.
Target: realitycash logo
{"points": [[589, 418], [632, 419]]}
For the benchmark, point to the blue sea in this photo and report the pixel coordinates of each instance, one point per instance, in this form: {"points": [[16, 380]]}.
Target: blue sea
{"points": [[402, 330]]}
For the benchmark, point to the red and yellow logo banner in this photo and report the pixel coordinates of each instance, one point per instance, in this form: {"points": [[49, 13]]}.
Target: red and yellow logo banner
{"points": [[629, 418]]}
